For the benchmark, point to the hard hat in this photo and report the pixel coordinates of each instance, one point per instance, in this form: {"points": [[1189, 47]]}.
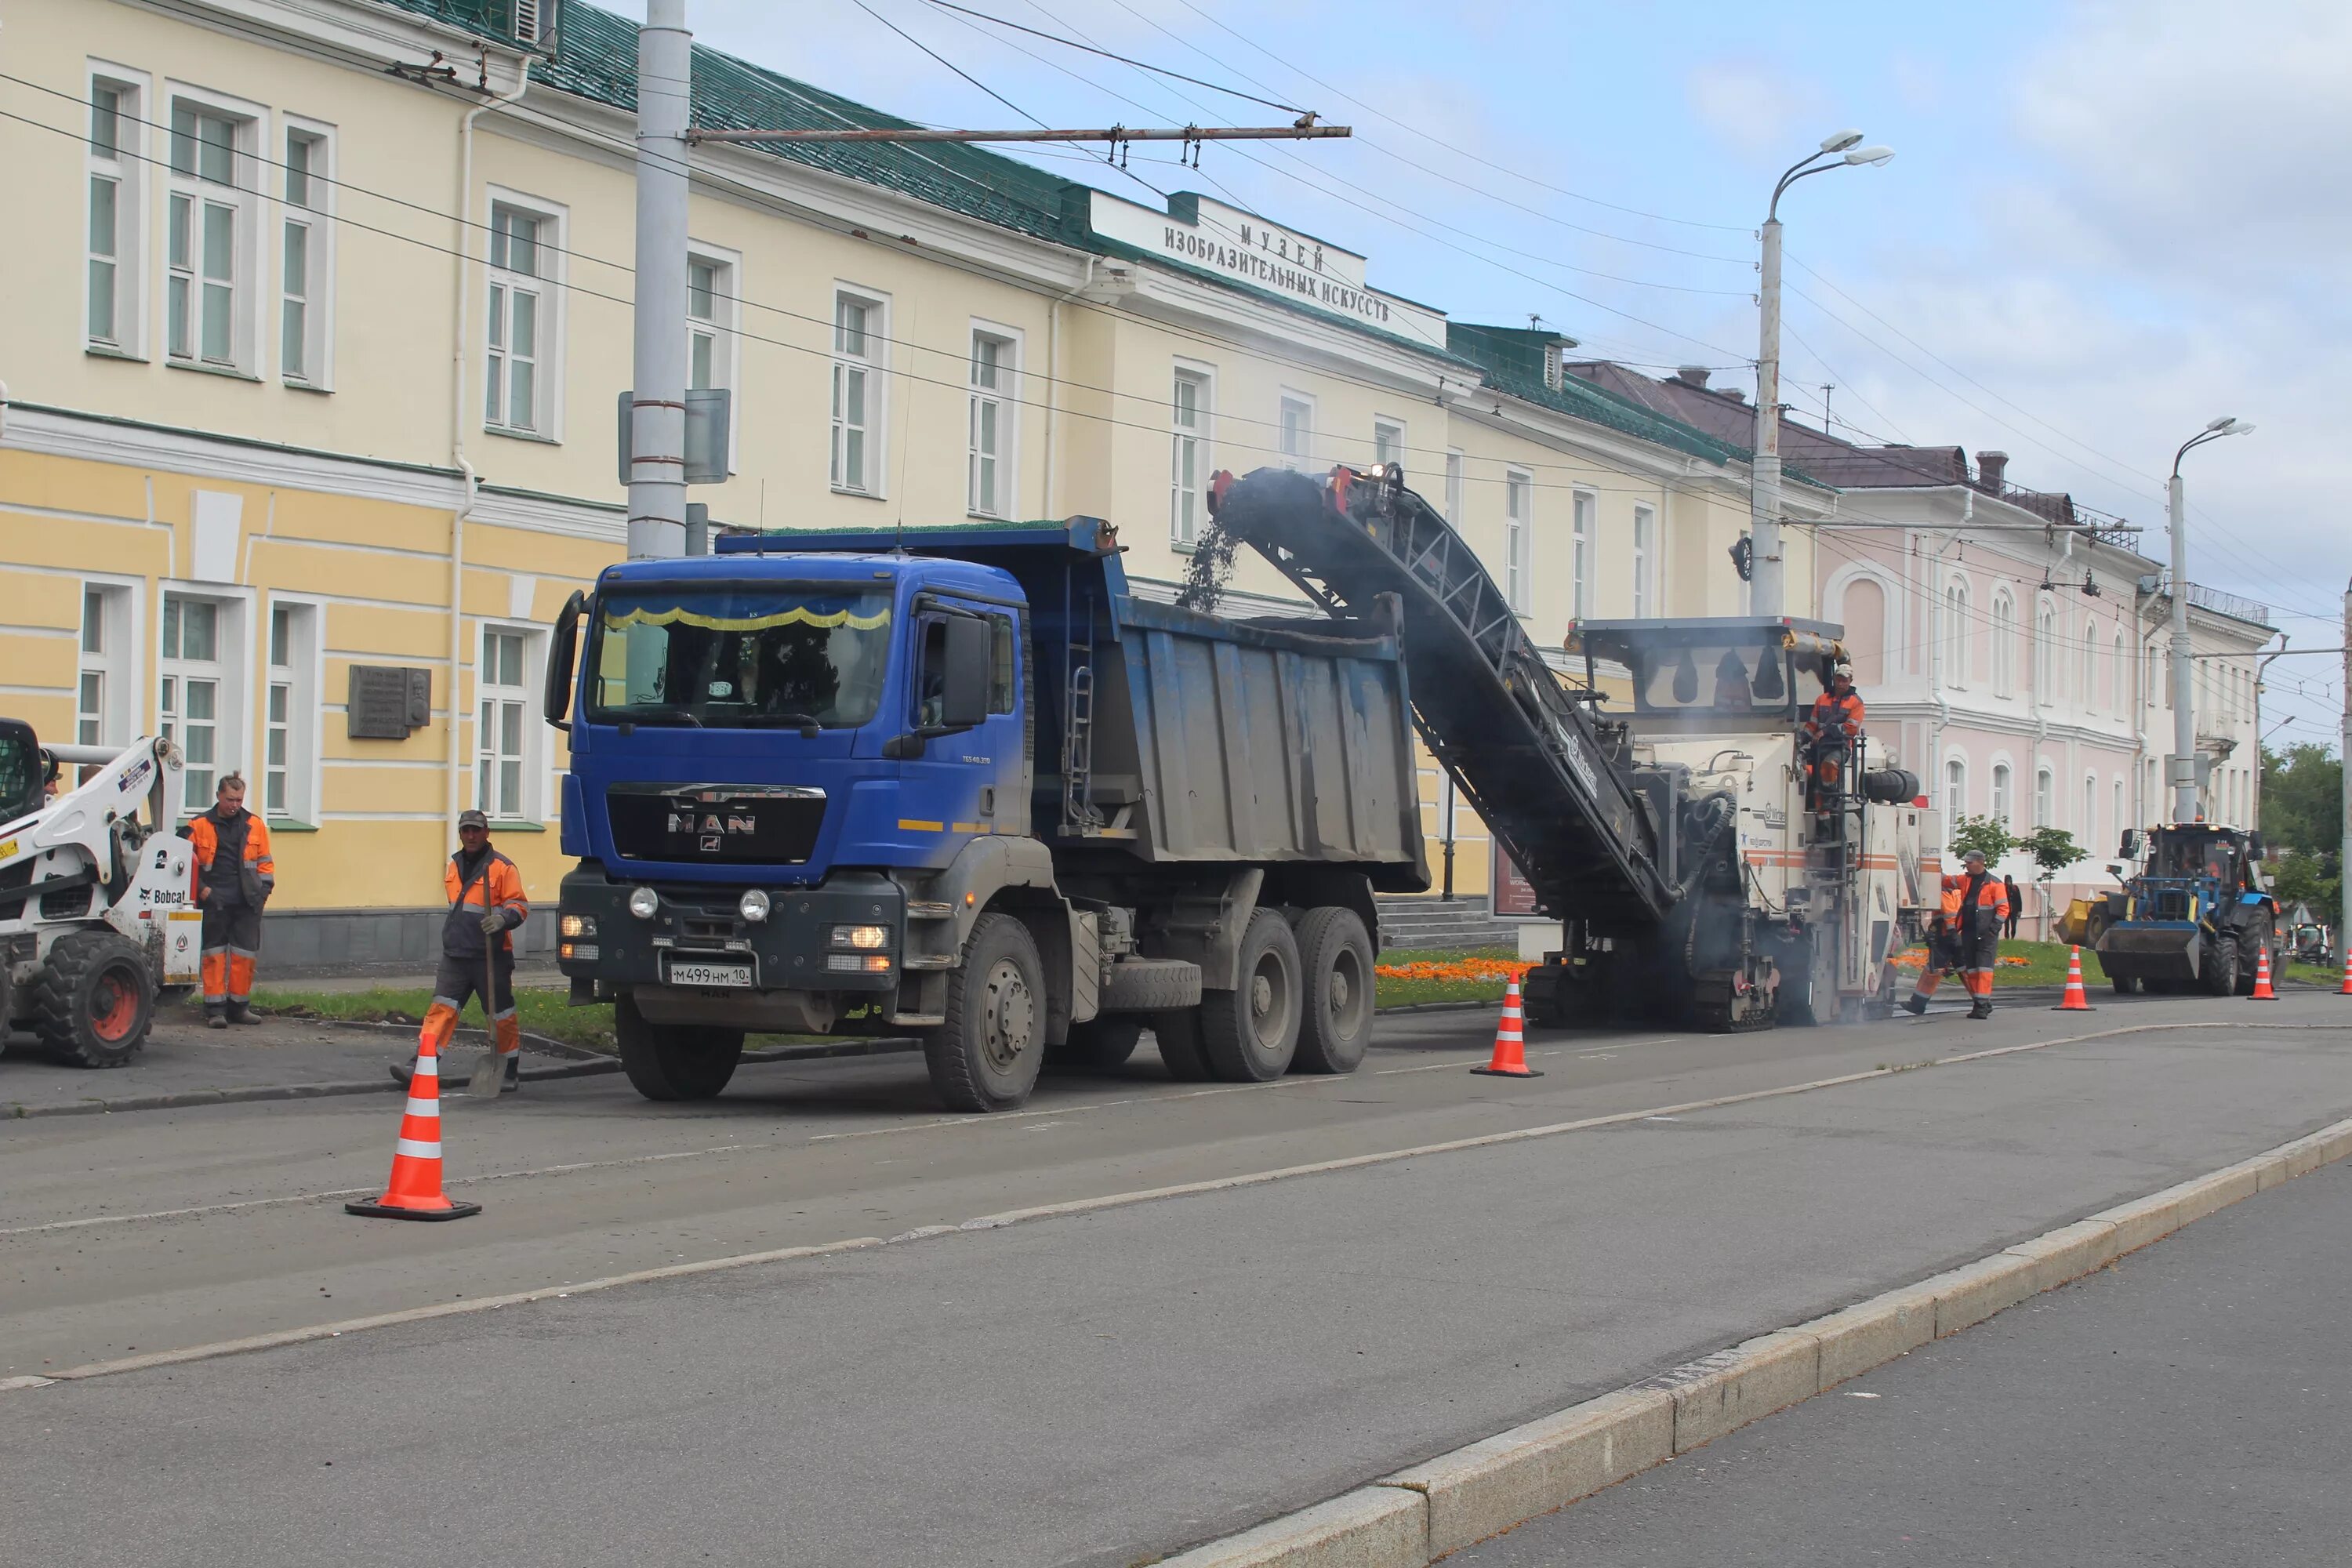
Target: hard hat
{"points": [[1841, 668]]}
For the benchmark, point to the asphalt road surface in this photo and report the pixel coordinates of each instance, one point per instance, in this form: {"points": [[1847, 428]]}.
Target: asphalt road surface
{"points": [[1094, 1387], [2190, 1406]]}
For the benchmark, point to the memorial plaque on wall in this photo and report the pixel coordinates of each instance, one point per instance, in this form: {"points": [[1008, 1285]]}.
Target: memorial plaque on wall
{"points": [[387, 702], [1514, 895]]}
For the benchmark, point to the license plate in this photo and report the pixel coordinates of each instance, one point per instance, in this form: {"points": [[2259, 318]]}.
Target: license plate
{"points": [[710, 973]]}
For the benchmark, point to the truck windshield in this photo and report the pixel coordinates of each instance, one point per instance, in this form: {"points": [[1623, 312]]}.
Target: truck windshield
{"points": [[740, 657], [21, 775]]}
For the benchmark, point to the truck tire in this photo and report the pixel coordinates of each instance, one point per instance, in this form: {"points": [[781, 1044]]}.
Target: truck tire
{"points": [[674, 1061], [987, 1054], [1250, 1033], [94, 1002], [1178, 1035], [1152, 985], [1335, 1015], [2221, 968], [1101, 1046], [2250, 954]]}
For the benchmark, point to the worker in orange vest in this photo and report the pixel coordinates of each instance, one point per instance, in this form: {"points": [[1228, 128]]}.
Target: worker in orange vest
{"points": [[486, 904], [235, 874], [1978, 903], [1943, 948], [1831, 732]]}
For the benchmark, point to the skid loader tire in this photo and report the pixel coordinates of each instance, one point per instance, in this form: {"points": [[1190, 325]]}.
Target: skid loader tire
{"points": [[1152, 985], [1335, 1017], [1250, 1033], [674, 1061], [2220, 969], [987, 1054], [1102, 1045], [1178, 1035], [94, 1002]]}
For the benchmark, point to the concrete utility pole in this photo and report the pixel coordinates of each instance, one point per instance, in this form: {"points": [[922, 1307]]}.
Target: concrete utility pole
{"points": [[2343, 752], [1765, 579], [2184, 717], [658, 376]]}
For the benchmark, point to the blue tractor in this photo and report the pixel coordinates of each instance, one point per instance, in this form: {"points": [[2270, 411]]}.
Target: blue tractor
{"points": [[2197, 917]]}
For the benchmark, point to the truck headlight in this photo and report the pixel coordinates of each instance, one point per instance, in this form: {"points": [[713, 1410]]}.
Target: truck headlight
{"points": [[861, 938], [642, 902], [753, 906], [579, 925]]}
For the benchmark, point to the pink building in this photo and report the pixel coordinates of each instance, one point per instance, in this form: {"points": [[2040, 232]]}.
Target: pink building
{"points": [[2014, 650]]}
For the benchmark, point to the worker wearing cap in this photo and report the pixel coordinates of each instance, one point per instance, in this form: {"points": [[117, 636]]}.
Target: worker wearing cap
{"points": [[235, 874], [486, 904], [1983, 907], [1832, 729]]}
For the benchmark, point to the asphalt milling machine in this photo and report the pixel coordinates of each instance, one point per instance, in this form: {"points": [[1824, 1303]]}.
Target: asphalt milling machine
{"points": [[1710, 863]]}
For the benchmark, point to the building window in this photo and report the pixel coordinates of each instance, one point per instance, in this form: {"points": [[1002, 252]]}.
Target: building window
{"points": [[196, 695], [1518, 497], [2045, 799], [1297, 431], [1956, 635], [2002, 811], [858, 327], [1454, 486], [307, 266], [1581, 528], [989, 435], [290, 719], [1388, 442], [520, 339], [502, 776], [116, 168], [1956, 789], [2004, 646], [714, 350], [2089, 689], [2090, 811], [2123, 813], [100, 715], [1645, 561], [2045, 662], [209, 271], [1188, 424]]}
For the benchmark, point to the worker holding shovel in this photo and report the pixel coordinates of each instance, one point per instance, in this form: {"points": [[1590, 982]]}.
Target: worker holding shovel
{"points": [[486, 904]]}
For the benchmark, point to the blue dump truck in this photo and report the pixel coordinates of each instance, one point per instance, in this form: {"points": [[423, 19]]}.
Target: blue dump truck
{"points": [[961, 783]]}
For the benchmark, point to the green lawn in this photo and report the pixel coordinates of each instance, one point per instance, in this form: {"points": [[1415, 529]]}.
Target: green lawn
{"points": [[2046, 965], [1393, 992]]}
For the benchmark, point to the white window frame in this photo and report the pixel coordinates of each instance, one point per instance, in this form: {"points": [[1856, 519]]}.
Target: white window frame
{"points": [[2090, 836], [719, 336], [125, 165], [1518, 538], [865, 363], [1294, 439], [1387, 439], [2045, 654], [529, 803], [308, 205], [2123, 812], [226, 669], [544, 285], [1189, 452], [2003, 804], [1005, 399], [299, 678], [1454, 486], [2088, 697], [2004, 644], [188, 267], [109, 654], [1956, 634], [1956, 789], [1584, 531], [2045, 797], [1645, 561]]}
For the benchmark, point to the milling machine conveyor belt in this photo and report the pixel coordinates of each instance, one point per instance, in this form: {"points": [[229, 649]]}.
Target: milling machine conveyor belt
{"points": [[1492, 713]]}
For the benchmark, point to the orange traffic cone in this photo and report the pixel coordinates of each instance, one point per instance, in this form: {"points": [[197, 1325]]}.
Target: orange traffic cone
{"points": [[2262, 992], [2347, 990], [1510, 1049], [414, 1191], [2074, 1001]]}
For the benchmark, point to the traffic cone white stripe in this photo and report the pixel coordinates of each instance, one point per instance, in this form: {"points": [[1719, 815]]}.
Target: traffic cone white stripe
{"points": [[417, 1151], [425, 1108], [426, 1066]]}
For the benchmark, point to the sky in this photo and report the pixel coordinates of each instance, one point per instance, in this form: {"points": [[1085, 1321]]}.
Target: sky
{"points": [[2104, 226]]}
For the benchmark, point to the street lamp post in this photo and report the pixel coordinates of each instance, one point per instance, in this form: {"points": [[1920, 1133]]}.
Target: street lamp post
{"points": [[2184, 717], [1764, 471]]}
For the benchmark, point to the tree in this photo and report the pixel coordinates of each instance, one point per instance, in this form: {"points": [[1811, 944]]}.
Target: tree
{"points": [[2298, 875], [1988, 834], [2052, 848], [2303, 796]]}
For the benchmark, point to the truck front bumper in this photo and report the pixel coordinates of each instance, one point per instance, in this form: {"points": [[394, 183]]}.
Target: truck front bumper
{"points": [[697, 934]]}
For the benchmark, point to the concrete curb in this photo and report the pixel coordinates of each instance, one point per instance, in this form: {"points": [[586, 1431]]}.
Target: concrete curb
{"points": [[1474, 1492]]}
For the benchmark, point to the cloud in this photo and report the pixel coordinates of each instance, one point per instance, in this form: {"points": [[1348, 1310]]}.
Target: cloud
{"points": [[1753, 103]]}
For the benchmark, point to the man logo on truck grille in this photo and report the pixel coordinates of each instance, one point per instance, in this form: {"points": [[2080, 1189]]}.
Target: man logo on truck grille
{"points": [[711, 826]]}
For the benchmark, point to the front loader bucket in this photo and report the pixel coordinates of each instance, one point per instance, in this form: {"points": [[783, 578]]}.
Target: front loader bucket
{"points": [[2145, 950]]}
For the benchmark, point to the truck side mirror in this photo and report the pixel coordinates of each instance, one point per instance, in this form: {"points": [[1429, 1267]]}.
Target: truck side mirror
{"points": [[969, 650], [2130, 850], [2256, 849], [555, 697]]}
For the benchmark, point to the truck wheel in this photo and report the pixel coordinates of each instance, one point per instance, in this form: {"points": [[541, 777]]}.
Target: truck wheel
{"points": [[93, 1002], [674, 1061], [1102, 1045], [1334, 1018], [987, 1054], [1178, 1035], [2249, 957], [1250, 1033], [2220, 974]]}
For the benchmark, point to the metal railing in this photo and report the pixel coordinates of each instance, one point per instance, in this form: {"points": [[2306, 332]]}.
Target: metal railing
{"points": [[2229, 604]]}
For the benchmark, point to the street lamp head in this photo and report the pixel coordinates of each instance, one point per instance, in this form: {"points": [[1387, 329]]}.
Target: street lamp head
{"points": [[2238, 430], [1840, 141], [1870, 155], [2218, 425]]}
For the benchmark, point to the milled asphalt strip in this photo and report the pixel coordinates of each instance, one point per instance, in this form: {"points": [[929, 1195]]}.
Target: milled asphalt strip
{"points": [[1148, 1195], [1419, 1514]]}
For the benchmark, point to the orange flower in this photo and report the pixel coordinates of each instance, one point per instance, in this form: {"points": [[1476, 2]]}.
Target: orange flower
{"points": [[1458, 969]]}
